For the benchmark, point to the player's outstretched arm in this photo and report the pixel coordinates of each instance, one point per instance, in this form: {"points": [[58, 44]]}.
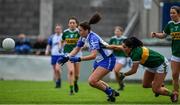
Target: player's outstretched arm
{"points": [[115, 47], [158, 35], [133, 69], [84, 58]]}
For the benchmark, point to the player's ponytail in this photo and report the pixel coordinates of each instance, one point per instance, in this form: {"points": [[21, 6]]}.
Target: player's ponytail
{"points": [[133, 42], [93, 20]]}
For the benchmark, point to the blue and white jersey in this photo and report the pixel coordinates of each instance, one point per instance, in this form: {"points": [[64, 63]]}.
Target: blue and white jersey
{"points": [[94, 42], [54, 41]]}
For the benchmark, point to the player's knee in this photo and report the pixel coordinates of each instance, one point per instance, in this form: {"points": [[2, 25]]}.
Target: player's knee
{"points": [[91, 82], [156, 89], [71, 73]]}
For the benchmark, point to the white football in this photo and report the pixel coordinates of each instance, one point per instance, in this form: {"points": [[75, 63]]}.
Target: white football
{"points": [[8, 44]]}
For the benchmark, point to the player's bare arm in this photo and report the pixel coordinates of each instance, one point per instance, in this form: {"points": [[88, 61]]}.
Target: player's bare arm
{"points": [[158, 35], [133, 69], [115, 47], [90, 57]]}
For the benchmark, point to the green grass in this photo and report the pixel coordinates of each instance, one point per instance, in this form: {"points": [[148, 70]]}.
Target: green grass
{"points": [[31, 92]]}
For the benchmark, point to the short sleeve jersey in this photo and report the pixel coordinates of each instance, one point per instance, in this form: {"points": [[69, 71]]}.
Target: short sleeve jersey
{"points": [[173, 29], [117, 41], [146, 57], [94, 42], [53, 41], [71, 38]]}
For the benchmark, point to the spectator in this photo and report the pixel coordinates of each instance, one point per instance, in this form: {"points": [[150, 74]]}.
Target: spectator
{"points": [[39, 46], [23, 45]]}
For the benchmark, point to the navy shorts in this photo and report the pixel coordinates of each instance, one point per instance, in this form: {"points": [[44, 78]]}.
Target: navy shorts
{"points": [[107, 63], [54, 59]]}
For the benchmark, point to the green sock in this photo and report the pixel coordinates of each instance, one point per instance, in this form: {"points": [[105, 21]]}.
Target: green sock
{"points": [[71, 87]]}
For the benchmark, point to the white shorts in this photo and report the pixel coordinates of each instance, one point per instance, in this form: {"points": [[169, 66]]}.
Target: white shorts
{"points": [[174, 58], [121, 60], [163, 68]]}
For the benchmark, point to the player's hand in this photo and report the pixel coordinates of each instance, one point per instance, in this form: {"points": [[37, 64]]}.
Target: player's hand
{"points": [[62, 59], [46, 53], [153, 34], [122, 76], [60, 50], [75, 59]]}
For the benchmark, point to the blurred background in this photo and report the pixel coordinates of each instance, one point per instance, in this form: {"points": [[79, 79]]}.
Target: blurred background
{"points": [[36, 19]]}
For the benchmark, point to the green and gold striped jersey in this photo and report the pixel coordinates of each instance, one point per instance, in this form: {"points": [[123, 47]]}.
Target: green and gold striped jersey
{"points": [[71, 38], [146, 57], [173, 29]]}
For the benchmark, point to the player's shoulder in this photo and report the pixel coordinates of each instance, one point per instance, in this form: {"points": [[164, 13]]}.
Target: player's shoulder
{"points": [[137, 50], [173, 22], [51, 36], [93, 35], [123, 37], [66, 30], [113, 37]]}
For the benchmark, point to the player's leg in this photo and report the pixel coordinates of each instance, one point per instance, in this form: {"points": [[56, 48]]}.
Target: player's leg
{"points": [[56, 71], [77, 74], [175, 74], [58, 75], [94, 81], [115, 92], [117, 69], [147, 79], [96, 76], [100, 70], [70, 75], [157, 85]]}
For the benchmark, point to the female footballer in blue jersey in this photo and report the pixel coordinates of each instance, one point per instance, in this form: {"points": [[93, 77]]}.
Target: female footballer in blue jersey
{"points": [[53, 46], [104, 59]]}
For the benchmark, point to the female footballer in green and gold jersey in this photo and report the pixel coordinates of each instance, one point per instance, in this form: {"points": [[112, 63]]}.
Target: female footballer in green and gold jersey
{"points": [[155, 63], [69, 41], [173, 29], [121, 58]]}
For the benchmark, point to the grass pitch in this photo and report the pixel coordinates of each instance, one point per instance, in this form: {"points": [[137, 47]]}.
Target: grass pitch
{"points": [[33, 92]]}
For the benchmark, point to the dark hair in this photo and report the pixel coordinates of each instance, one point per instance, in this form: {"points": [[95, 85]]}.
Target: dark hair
{"points": [[133, 42], [177, 8], [73, 18], [94, 19]]}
